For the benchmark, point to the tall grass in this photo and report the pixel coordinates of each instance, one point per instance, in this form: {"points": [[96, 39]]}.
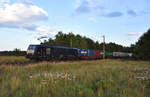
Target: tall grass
{"points": [[104, 78], [12, 59]]}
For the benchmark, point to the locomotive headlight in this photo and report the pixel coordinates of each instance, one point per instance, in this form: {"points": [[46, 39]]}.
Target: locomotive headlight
{"points": [[30, 52]]}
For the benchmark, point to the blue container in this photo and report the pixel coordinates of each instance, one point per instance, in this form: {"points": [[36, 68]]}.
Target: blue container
{"points": [[91, 53], [83, 52]]}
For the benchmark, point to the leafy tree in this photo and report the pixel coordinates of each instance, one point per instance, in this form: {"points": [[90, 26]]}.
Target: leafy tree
{"points": [[90, 43], [83, 43], [16, 51], [142, 47], [97, 45], [76, 41], [112, 47]]}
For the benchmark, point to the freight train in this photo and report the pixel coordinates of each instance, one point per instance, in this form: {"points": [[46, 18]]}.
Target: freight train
{"points": [[45, 52]]}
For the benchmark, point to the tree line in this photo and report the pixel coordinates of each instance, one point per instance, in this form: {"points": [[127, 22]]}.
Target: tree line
{"points": [[15, 52], [140, 50], [78, 41]]}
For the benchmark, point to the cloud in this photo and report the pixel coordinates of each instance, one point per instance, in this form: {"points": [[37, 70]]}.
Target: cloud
{"points": [[95, 6], [4, 1], [83, 8], [87, 6], [91, 19], [113, 14], [50, 31], [134, 34], [131, 13], [111, 8], [21, 15]]}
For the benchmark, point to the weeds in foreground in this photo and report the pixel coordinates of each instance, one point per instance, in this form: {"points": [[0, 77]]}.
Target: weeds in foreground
{"points": [[104, 78], [12, 59]]}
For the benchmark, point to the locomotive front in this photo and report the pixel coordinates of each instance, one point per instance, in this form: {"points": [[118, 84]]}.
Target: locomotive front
{"points": [[31, 51], [39, 52]]}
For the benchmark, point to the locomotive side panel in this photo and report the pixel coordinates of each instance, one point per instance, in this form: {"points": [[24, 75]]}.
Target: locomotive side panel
{"points": [[61, 53]]}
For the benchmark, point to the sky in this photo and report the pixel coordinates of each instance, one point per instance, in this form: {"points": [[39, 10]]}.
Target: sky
{"points": [[22, 22]]}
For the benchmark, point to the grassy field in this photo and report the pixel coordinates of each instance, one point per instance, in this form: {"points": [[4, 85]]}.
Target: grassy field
{"points": [[98, 78], [12, 59]]}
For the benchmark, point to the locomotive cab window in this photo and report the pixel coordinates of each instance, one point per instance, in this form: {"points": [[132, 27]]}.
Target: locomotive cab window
{"points": [[32, 47]]}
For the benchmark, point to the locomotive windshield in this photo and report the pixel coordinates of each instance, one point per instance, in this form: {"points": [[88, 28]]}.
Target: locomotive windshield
{"points": [[31, 47]]}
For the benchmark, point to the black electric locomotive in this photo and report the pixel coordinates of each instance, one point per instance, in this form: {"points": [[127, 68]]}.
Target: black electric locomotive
{"points": [[45, 52]]}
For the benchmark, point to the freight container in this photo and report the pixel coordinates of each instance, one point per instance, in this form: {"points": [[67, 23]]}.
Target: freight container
{"points": [[116, 54], [108, 54], [82, 52], [130, 54], [97, 53], [122, 54], [91, 53]]}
